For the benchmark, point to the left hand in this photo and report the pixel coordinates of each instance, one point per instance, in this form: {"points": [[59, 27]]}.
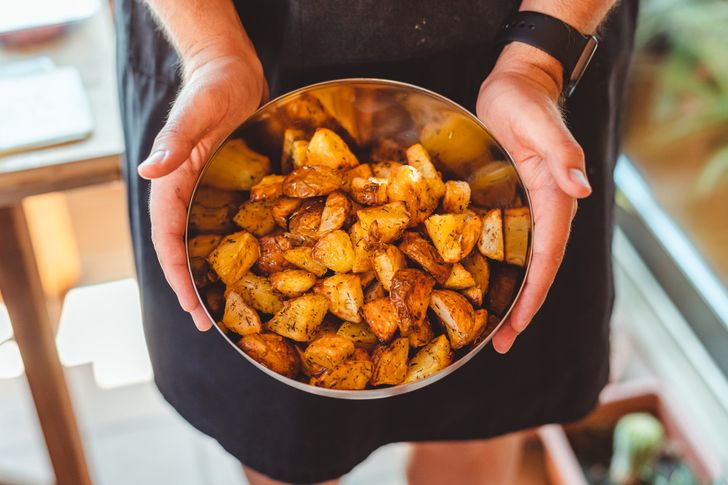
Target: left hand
{"points": [[519, 103]]}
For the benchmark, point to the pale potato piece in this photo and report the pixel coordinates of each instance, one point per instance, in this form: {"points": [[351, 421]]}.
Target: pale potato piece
{"points": [[292, 282], [420, 333], [367, 277], [457, 196], [335, 251], [302, 257], [362, 254], [236, 167], [516, 227], [490, 243], [387, 260], [272, 249], [327, 149], [202, 245], [234, 256], [374, 291], [329, 350], [345, 296], [419, 250], [390, 363], [299, 153], [270, 187], [290, 136], [384, 223], [273, 351], [408, 185], [336, 212], [299, 318], [429, 360], [282, 208], [381, 316], [369, 191], [454, 235], [384, 169], [256, 218], [457, 316], [258, 293], [418, 158], [239, 317], [306, 221], [311, 181], [460, 278], [359, 333], [350, 375], [479, 268], [410, 294], [503, 285]]}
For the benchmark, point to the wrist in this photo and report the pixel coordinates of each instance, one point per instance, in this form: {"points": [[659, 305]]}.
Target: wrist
{"points": [[538, 66]]}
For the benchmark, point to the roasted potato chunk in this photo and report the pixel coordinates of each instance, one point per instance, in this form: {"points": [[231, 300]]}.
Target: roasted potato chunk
{"points": [[420, 333], [407, 184], [490, 243], [299, 318], [335, 251], [312, 181], [234, 256], [367, 277], [474, 295], [272, 249], [481, 323], [359, 333], [269, 188], [329, 350], [256, 218], [429, 360], [302, 257], [457, 316], [369, 191], [460, 278], [503, 285], [202, 275], [345, 296], [214, 198], [327, 149], [292, 282], [384, 169], [363, 170], [516, 227], [390, 363], [362, 254], [202, 245], [236, 167], [290, 137], [306, 221], [418, 158], [478, 267], [381, 316], [273, 351], [282, 208], [258, 293], [387, 260], [215, 300], [457, 196], [335, 214], [239, 317], [211, 219], [384, 223], [350, 375], [410, 295], [454, 235], [374, 291], [419, 250], [308, 368]]}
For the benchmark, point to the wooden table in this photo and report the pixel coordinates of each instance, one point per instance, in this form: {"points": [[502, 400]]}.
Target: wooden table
{"points": [[89, 48]]}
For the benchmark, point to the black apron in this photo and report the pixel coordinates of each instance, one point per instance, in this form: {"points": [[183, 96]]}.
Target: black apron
{"points": [[557, 366]]}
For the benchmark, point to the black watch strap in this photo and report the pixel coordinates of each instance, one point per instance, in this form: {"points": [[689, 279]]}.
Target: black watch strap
{"points": [[570, 47]]}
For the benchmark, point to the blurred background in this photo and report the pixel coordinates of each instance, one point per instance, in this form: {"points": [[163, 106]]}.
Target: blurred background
{"points": [[67, 277]]}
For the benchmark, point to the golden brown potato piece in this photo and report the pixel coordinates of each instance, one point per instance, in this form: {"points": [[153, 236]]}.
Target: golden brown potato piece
{"points": [[291, 136], [273, 351], [384, 169], [410, 295], [282, 208], [369, 191], [390, 363], [456, 315], [474, 296], [367, 277], [272, 249], [503, 285], [350, 375], [407, 184], [345, 296], [381, 316], [335, 251], [419, 250], [299, 318], [336, 212], [429, 360], [481, 322], [460, 278], [211, 219], [202, 245], [327, 149], [457, 196], [329, 350], [299, 153], [420, 333], [362, 254], [236, 167], [491, 237], [384, 223], [516, 227], [256, 218], [234, 256], [374, 291], [306, 221], [308, 108], [359, 333], [387, 260], [214, 198], [363, 170], [308, 368], [478, 267], [301, 257], [454, 235], [311, 181], [258, 293], [292, 282], [269, 188], [239, 317], [418, 158]]}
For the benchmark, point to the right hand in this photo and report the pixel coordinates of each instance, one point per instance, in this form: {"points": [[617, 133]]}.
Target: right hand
{"points": [[219, 93]]}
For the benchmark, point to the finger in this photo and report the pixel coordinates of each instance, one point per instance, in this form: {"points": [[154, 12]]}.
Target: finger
{"points": [[202, 321], [504, 338]]}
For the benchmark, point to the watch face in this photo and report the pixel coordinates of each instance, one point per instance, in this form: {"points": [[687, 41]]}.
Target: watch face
{"points": [[586, 56]]}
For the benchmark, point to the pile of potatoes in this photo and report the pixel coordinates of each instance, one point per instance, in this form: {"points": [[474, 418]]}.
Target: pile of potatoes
{"points": [[350, 275]]}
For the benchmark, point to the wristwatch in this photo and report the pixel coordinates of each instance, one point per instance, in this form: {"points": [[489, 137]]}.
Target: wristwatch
{"points": [[570, 47]]}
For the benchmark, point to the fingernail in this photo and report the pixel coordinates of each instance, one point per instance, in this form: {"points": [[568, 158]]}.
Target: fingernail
{"points": [[579, 177], [154, 158]]}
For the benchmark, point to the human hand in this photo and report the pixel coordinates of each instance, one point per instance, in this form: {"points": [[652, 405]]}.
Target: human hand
{"points": [[519, 104], [219, 92]]}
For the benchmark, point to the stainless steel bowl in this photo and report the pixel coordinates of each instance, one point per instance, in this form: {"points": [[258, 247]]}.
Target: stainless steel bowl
{"points": [[367, 110]]}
